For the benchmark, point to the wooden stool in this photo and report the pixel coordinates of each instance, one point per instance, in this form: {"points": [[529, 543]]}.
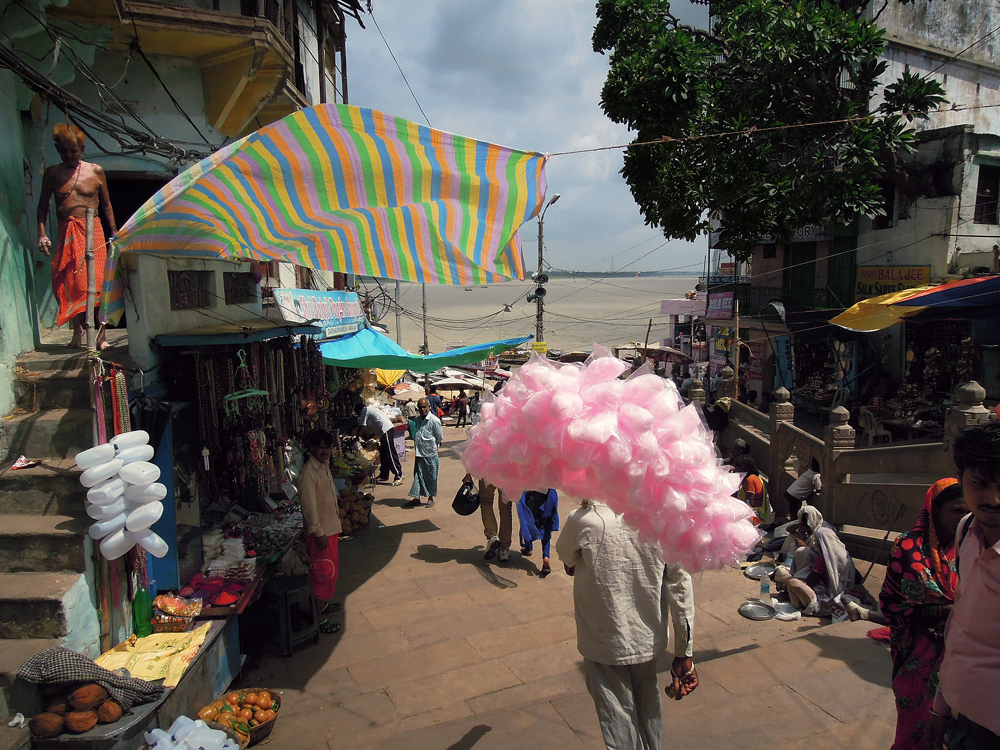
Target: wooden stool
{"points": [[298, 620]]}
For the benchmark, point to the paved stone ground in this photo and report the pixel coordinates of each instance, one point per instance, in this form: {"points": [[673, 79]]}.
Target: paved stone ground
{"points": [[442, 650]]}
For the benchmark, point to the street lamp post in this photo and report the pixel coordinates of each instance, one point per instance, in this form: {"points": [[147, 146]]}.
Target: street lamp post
{"points": [[539, 302]]}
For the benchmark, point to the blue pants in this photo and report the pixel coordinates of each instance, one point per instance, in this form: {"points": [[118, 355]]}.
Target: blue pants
{"points": [[546, 538]]}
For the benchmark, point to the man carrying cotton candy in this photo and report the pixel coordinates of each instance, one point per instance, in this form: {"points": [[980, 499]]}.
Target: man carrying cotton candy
{"points": [[624, 595]]}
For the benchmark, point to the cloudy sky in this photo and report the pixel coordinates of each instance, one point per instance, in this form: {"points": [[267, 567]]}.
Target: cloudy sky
{"points": [[521, 73]]}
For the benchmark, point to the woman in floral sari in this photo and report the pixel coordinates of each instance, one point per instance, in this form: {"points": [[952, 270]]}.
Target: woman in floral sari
{"points": [[916, 598]]}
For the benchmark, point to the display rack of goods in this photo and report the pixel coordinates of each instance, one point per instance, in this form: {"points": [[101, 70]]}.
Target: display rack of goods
{"points": [[249, 712], [355, 511], [352, 457], [216, 591], [73, 709], [174, 614], [907, 402], [268, 535]]}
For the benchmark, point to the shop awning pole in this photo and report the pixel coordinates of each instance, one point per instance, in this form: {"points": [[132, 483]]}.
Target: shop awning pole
{"points": [[88, 255]]}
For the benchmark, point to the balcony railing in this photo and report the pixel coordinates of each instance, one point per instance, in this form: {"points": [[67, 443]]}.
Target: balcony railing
{"points": [[753, 298]]}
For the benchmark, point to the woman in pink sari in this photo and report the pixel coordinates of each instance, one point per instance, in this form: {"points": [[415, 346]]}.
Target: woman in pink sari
{"points": [[916, 599]]}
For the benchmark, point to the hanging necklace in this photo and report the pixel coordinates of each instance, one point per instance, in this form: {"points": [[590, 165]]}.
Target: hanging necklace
{"points": [[68, 193]]}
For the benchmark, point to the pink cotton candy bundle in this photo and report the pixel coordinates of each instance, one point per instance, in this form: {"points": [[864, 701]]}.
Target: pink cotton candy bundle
{"points": [[629, 443]]}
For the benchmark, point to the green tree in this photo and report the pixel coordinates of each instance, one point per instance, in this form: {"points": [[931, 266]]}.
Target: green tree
{"points": [[736, 109]]}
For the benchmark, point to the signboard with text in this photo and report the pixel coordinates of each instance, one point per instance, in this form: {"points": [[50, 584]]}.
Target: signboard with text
{"points": [[337, 313], [720, 306], [871, 281]]}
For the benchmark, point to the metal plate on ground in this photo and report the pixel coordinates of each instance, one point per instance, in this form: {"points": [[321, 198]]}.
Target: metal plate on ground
{"points": [[755, 570], [754, 610]]}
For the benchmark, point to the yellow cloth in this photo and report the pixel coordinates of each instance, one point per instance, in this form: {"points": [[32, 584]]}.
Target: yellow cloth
{"points": [[158, 656], [389, 377], [876, 313]]}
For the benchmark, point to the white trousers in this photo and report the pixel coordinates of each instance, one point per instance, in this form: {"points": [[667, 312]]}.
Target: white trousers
{"points": [[627, 699]]}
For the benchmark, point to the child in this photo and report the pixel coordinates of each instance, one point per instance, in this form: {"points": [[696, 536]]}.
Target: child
{"points": [[318, 496], [538, 514]]}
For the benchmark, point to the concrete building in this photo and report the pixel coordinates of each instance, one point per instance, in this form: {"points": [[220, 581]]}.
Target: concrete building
{"points": [[941, 208], [155, 86]]}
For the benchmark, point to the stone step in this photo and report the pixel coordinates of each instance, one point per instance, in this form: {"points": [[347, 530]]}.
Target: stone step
{"points": [[31, 604], [52, 358], [56, 433], [18, 695], [51, 488], [52, 389], [30, 543]]}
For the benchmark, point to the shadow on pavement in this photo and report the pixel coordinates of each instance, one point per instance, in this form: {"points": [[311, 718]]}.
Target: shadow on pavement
{"points": [[471, 737], [433, 554]]}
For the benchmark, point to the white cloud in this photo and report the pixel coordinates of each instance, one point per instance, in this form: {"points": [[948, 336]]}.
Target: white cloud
{"points": [[521, 73]]}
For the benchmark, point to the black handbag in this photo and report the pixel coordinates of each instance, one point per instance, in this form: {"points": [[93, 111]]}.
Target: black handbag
{"points": [[466, 501]]}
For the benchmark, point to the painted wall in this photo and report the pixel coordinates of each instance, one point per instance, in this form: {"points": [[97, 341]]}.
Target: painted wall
{"points": [[148, 306], [17, 329]]}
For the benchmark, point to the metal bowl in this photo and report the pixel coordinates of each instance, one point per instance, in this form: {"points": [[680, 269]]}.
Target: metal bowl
{"points": [[754, 610], [755, 570]]}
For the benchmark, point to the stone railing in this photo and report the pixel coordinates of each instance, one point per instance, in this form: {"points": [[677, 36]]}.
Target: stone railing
{"points": [[878, 488]]}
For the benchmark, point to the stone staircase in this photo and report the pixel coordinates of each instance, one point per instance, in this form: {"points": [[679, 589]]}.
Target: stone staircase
{"points": [[46, 576]]}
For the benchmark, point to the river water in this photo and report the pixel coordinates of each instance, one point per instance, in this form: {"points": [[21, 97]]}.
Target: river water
{"points": [[579, 313]]}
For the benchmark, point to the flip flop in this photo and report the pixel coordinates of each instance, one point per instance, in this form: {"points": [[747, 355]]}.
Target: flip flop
{"points": [[329, 627], [330, 608]]}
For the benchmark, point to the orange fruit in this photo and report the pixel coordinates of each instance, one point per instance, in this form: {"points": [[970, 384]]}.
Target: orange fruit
{"points": [[245, 714], [233, 698], [227, 708], [249, 699], [208, 713], [264, 699], [217, 705]]}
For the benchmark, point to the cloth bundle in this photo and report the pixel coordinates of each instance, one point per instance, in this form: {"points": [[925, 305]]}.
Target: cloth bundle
{"points": [[60, 665], [629, 443]]}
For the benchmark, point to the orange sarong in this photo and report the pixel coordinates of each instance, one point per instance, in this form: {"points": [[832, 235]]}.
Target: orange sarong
{"points": [[69, 267]]}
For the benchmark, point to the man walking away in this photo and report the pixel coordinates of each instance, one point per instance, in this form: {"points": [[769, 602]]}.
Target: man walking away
{"points": [[622, 593]]}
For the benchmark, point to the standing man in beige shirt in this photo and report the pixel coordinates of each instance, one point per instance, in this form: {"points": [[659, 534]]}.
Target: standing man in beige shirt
{"points": [[624, 595], [321, 512]]}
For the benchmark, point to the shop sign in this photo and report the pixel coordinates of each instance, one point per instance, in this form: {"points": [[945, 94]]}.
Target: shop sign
{"points": [[720, 306], [871, 281], [756, 370], [540, 346], [337, 313]]}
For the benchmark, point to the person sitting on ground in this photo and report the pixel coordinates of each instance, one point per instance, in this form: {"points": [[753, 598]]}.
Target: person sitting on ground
{"points": [[538, 514], [917, 596], [808, 483], [740, 448], [821, 567], [752, 490]]}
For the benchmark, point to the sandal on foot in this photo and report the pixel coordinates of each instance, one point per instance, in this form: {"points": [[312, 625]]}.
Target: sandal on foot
{"points": [[526, 551], [330, 608], [414, 503], [546, 569], [329, 627]]}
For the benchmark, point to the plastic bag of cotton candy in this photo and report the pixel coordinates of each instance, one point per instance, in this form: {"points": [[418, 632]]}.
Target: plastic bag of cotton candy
{"points": [[123, 496], [629, 443]]}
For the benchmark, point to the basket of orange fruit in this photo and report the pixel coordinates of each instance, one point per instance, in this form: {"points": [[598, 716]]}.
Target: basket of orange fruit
{"points": [[249, 712]]}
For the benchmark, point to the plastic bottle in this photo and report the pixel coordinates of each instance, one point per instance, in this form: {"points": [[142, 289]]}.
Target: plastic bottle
{"points": [[142, 609], [765, 588]]}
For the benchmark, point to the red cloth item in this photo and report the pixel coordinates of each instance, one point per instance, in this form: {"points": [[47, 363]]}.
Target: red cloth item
{"points": [[324, 567], [879, 635], [69, 267]]}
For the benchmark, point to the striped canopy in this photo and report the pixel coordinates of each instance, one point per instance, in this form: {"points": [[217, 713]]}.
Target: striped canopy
{"points": [[340, 188], [969, 299]]}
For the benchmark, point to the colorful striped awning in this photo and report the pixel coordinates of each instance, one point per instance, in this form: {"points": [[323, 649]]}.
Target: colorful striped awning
{"points": [[968, 299], [340, 188]]}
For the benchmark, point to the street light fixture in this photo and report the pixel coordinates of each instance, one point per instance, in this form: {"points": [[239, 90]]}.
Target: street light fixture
{"points": [[540, 278]]}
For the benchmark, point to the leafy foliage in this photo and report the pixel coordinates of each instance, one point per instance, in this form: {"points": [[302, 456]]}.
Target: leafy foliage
{"points": [[764, 119]]}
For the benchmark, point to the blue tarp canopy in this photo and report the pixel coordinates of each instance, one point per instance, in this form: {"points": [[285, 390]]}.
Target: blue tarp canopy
{"points": [[368, 348]]}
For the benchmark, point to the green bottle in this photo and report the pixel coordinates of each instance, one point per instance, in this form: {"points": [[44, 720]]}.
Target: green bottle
{"points": [[142, 611]]}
